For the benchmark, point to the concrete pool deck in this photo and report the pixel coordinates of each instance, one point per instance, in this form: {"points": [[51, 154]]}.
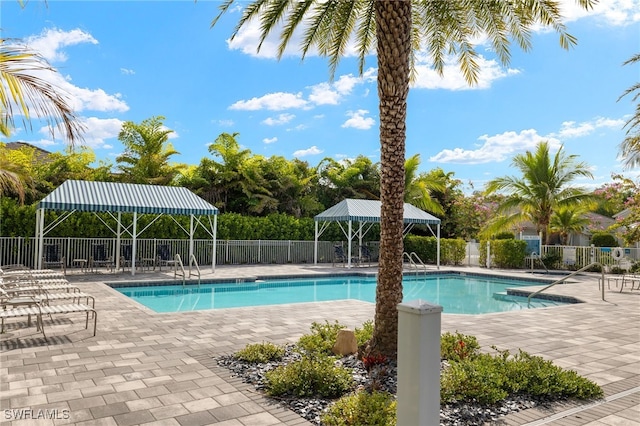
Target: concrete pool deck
{"points": [[159, 369]]}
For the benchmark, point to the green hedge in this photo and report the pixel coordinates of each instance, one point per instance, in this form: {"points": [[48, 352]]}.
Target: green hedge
{"points": [[452, 251], [504, 253]]}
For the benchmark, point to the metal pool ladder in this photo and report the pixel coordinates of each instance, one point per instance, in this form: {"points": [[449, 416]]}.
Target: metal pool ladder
{"points": [[414, 260], [192, 262], [569, 276]]}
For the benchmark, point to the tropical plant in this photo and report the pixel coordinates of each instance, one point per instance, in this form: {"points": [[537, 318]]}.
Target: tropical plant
{"points": [[567, 220], [14, 177], [396, 29], [630, 146], [147, 153], [545, 186], [23, 92], [348, 178], [419, 187]]}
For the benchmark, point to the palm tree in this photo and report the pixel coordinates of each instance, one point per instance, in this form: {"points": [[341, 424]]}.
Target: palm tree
{"points": [[396, 29], [566, 220], [419, 187], [545, 186], [630, 146], [147, 152], [12, 176], [21, 89]]}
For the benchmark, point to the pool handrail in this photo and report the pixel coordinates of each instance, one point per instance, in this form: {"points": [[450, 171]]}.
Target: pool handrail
{"points": [[412, 260], [566, 277], [194, 262]]}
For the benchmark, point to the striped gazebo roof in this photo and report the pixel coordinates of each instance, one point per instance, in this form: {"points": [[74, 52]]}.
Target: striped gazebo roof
{"points": [[369, 211], [83, 195]]}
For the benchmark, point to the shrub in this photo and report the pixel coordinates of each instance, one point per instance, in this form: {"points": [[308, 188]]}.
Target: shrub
{"points": [[552, 259], [456, 347], [603, 239], [309, 377], [362, 408], [260, 353], [364, 334], [488, 379], [479, 378], [507, 253], [321, 339], [505, 235], [452, 251]]}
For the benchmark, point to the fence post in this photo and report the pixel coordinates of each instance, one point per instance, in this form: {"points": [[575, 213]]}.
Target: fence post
{"points": [[418, 363], [488, 254]]}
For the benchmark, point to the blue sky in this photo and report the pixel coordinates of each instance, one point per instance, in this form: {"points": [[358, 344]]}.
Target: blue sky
{"points": [[131, 60]]}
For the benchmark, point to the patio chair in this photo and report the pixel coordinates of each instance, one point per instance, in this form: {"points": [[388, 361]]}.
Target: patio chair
{"points": [[164, 257], [99, 258], [38, 310], [365, 255], [52, 257], [339, 256], [126, 252]]}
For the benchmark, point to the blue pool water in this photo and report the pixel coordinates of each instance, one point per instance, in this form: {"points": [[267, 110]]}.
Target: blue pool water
{"points": [[455, 293]]}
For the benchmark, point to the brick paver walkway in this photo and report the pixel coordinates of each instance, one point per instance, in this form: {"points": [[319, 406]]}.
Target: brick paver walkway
{"points": [[159, 369]]}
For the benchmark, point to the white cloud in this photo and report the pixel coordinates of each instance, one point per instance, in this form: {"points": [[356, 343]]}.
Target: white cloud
{"points": [[270, 140], [314, 150], [97, 130], [453, 79], [495, 148], [225, 123], [80, 99], [611, 12], [280, 119], [127, 71], [571, 129], [50, 41], [323, 94], [272, 101], [358, 120]]}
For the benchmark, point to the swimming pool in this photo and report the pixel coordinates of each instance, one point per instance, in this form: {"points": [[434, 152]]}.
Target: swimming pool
{"points": [[458, 294]]}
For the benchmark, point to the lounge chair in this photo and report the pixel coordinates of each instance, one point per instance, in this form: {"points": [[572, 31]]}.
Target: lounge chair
{"points": [[38, 310]]}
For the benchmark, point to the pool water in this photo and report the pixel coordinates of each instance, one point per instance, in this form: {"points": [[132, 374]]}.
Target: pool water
{"points": [[457, 294]]}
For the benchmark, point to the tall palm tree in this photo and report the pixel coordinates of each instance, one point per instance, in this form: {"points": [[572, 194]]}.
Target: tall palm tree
{"points": [[630, 146], [544, 187], [21, 89], [396, 29], [418, 187], [147, 152]]}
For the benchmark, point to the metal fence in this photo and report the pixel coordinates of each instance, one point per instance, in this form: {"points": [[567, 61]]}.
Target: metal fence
{"points": [[20, 250]]}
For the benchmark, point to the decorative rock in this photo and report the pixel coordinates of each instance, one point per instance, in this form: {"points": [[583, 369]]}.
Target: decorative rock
{"points": [[346, 343]]}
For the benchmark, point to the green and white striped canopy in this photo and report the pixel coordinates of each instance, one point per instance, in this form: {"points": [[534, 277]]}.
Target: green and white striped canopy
{"points": [[126, 198], [369, 211]]}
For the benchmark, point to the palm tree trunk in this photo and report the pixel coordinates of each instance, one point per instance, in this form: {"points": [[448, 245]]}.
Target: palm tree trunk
{"points": [[393, 33]]}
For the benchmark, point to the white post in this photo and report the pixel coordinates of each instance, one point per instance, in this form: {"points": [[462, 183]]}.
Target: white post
{"points": [[488, 254], [419, 363]]}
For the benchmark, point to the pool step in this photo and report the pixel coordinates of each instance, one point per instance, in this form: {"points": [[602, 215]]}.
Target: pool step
{"points": [[520, 300]]}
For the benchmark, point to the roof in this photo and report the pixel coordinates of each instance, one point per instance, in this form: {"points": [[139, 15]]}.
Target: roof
{"points": [[369, 211], [126, 198]]}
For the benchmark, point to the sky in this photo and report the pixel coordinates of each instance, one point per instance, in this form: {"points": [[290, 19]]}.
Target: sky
{"points": [[123, 61]]}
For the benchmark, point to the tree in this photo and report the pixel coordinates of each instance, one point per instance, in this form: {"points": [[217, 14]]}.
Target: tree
{"points": [[147, 152], [396, 29], [419, 187], [630, 146], [22, 89], [566, 220], [544, 187], [357, 178], [14, 177]]}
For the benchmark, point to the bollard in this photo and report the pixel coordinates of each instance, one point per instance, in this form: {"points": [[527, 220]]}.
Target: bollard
{"points": [[418, 364]]}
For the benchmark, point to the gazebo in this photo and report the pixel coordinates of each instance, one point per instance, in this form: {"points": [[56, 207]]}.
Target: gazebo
{"points": [[118, 198], [366, 213]]}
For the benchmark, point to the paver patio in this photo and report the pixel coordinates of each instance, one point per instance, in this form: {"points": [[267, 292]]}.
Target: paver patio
{"points": [[159, 369]]}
